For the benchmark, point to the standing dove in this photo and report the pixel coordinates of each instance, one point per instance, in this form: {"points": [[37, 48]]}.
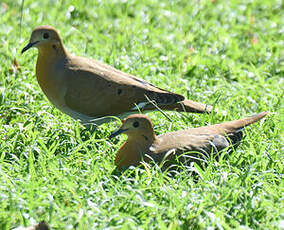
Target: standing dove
{"points": [[89, 90], [196, 143]]}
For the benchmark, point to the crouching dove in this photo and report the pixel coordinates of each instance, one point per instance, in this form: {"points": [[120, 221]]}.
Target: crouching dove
{"points": [[197, 144]]}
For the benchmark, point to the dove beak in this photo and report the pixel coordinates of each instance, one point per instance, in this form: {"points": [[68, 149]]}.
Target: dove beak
{"points": [[116, 133], [28, 46]]}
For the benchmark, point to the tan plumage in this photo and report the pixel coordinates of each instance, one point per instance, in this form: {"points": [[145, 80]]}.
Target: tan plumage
{"points": [[142, 143], [88, 90]]}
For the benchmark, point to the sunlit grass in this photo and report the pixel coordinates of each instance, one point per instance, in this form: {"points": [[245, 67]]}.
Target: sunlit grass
{"points": [[52, 169]]}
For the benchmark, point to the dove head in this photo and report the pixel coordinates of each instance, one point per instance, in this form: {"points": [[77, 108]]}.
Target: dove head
{"points": [[136, 126], [45, 38]]}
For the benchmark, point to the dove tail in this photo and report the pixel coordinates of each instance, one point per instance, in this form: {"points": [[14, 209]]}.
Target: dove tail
{"points": [[188, 106], [239, 124]]}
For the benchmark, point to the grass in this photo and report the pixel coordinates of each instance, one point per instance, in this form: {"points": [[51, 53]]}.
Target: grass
{"points": [[52, 169]]}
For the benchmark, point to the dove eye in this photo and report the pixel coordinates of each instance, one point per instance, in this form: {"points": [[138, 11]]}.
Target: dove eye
{"points": [[45, 35], [135, 124]]}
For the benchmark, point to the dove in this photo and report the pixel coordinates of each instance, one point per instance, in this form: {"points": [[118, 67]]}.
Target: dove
{"points": [[40, 226], [186, 146], [92, 91]]}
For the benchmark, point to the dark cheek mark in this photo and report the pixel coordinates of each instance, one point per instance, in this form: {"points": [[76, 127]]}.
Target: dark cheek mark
{"points": [[146, 138], [119, 91]]}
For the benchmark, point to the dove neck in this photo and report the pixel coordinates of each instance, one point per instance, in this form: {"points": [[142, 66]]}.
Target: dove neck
{"points": [[142, 138], [133, 151], [52, 50]]}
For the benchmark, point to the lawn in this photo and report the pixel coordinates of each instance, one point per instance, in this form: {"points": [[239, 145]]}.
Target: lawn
{"points": [[225, 53]]}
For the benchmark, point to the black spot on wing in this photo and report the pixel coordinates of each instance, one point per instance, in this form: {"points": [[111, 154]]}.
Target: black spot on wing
{"points": [[236, 137]]}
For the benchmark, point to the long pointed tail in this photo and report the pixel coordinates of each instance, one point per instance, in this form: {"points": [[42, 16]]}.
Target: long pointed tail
{"points": [[248, 121], [234, 126], [188, 106]]}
